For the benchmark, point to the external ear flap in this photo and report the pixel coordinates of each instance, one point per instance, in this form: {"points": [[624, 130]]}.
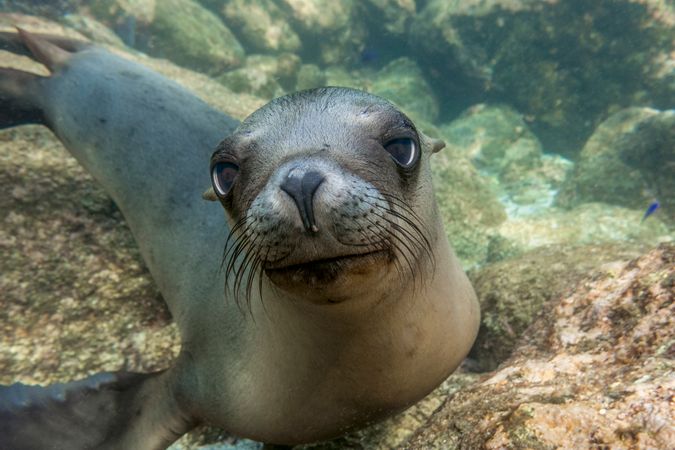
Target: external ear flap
{"points": [[436, 145], [210, 195]]}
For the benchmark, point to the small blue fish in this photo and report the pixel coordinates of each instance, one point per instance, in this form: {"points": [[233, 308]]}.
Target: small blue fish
{"points": [[369, 55], [651, 210]]}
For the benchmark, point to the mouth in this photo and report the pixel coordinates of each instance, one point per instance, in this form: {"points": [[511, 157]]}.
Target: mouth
{"points": [[324, 271]]}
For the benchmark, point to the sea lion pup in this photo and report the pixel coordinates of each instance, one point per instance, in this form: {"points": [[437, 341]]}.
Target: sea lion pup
{"points": [[340, 301]]}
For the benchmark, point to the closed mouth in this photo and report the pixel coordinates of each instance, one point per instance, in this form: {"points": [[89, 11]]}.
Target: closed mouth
{"points": [[325, 270]]}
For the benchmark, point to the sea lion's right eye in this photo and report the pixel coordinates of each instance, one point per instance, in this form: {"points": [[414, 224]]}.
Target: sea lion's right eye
{"points": [[222, 177], [403, 151]]}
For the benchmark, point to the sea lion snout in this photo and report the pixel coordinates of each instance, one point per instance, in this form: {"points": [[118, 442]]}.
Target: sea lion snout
{"points": [[312, 209], [301, 186]]}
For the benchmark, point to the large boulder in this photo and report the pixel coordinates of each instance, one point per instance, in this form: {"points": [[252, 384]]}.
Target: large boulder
{"points": [[589, 223], [264, 76], [331, 30], [512, 292], [629, 161], [180, 30], [261, 25], [564, 64], [499, 142], [402, 82], [468, 205], [594, 371]]}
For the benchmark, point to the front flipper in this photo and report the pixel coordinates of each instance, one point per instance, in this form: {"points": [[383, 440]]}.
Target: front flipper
{"points": [[118, 410]]}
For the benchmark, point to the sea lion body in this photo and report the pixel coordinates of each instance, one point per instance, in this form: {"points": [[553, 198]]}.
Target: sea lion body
{"points": [[338, 322]]}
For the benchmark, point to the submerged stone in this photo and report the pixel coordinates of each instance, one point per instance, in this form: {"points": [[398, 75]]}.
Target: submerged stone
{"points": [[261, 25], [563, 64], [263, 75], [595, 370], [629, 161], [402, 82], [180, 30], [512, 292], [331, 30], [589, 223]]}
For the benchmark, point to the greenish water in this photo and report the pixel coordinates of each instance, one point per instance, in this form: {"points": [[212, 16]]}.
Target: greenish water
{"points": [[559, 116], [515, 88]]}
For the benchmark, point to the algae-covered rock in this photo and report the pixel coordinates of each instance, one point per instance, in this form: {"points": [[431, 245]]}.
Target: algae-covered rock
{"points": [[494, 137], [500, 144], [261, 25], [52, 9], [594, 371], [310, 76], [180, 30], [331, 30], [468, 205], [263, 75], [589, 223], [512, 292], [339, 76], [402, 82], [564, 64], [629, 160], [93, 29], [392, 16]]}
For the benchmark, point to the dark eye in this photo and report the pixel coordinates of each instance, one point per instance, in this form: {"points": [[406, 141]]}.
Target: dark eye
{"points": [[404, 151], [222, 176]]}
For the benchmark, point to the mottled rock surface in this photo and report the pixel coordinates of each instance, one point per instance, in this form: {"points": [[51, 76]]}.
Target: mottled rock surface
{"points": [[468, 204], [331, 30], [181, 30], [595, 371], [629, 160], [402, 82], [590, 223], [501, 145], [512, 292], [264, 76], [563, 64], [261, 25]]}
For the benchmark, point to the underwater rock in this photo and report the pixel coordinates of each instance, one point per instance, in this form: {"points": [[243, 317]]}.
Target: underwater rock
{"points": [[77, 297], [512, 292], [332, 31], [495, 138], [52, 9], [629, 160], [93, 29], [468, 205], [310, 76], [180, 30], [339, 76], [564, 64], [595, 371], [500, 144], [261, 25], [263, 75], [589, 223], [393, 16], [402, 82]]}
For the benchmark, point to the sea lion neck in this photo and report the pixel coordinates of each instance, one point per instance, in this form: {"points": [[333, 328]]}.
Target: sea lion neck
{"points": [[351, 358]]}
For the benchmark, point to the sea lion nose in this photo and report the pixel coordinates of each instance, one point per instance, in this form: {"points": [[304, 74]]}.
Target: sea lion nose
{"points": [[301, 188]]}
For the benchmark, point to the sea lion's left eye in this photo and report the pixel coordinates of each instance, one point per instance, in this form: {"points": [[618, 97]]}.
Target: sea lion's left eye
{"points": [[222, 176], [404, 151]]}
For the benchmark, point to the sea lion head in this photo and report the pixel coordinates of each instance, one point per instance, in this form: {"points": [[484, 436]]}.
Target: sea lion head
{"points": [[328, 193]]}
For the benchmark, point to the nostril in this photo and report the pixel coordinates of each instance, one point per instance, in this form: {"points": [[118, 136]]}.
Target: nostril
{"points": [[302, 189]]}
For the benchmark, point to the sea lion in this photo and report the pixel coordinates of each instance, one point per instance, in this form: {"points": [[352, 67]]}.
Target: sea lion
{"points": [[339, 302]]}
